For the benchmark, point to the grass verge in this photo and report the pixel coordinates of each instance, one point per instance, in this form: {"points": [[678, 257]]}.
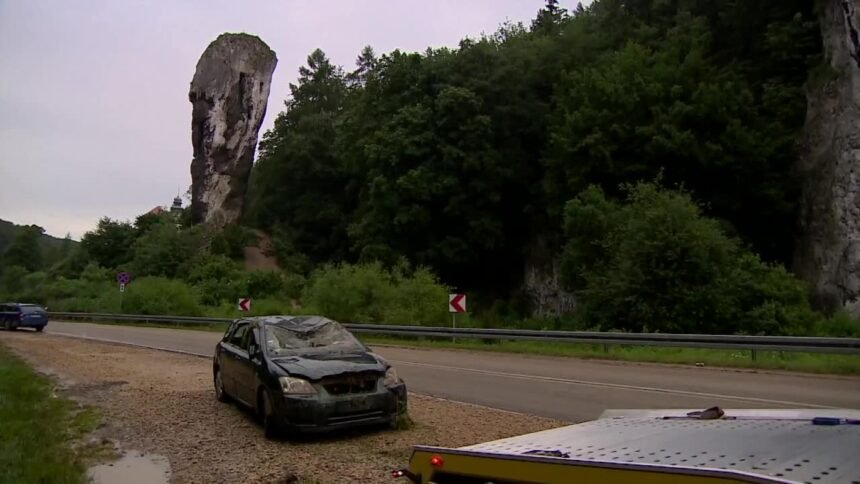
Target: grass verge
{"points": [[770, 360], [41, 434], [764, 360]]}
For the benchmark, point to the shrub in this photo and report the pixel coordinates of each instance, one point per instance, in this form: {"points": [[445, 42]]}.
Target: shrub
{"points": [[840, 325], [654, 263], [367, 293], [264, 283], [165, 250], [349, 293], [158, 295], [417, 299], [218, 279], [231, 242]]}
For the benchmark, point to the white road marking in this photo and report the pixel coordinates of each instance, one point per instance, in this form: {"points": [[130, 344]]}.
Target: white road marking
{"points": [[618, 386], [519, 376]]}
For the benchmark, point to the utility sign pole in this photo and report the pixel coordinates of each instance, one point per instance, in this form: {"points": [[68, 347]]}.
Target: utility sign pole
{"points": [[456, 304]]}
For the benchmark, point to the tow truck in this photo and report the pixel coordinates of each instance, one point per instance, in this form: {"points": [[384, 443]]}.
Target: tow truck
{"points": [[675, 446]]}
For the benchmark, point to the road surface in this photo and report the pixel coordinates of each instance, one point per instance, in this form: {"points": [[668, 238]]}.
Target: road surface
{"points": [[563, 388]]}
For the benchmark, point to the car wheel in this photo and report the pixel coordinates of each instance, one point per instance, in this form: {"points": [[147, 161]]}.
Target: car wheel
{"points": [[270, 424], [10, 326], [220, 394], [40, 328]]}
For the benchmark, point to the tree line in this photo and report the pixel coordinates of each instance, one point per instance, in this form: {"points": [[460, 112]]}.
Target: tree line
{"points": [[647, 146]]}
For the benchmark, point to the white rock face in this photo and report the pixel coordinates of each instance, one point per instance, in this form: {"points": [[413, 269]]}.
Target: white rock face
{"points": [[228, 93], [828, 250]]}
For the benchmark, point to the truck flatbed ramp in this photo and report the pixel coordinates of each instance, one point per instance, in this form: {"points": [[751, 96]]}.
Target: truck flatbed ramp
{"points": [[662, 446]]}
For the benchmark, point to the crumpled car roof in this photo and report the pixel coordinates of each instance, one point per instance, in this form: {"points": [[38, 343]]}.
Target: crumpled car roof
{"points": [[299, 324]]}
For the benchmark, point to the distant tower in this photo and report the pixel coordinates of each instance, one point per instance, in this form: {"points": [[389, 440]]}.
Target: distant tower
{"points": [[177, 205]]}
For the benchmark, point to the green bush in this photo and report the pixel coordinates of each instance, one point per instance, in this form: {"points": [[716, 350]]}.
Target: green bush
{"points": [[654, 263], [231, 242], [840, 325], [158, 295], [349, 293], [263, 283], [218, 279], [367, 293], [165, 250], [417, 299], [10, 281]]}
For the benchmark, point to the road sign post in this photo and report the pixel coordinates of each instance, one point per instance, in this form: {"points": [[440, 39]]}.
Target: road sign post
{"points": [[456, 304], [123, 278]]}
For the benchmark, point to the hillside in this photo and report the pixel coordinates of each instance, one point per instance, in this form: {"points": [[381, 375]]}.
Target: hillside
{"points": [[464, 159], [9, 230]]}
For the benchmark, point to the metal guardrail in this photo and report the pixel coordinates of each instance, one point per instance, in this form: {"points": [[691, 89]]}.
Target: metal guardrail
{"points": [[737, 342]]}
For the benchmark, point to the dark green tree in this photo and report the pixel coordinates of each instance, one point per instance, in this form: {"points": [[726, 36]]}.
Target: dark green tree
{"points": [[298, 183], [654, 263], [110, 244], [25, 250]]}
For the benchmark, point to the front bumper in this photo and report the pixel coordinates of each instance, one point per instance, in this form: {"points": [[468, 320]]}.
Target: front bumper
{"points": [[321, 413]]}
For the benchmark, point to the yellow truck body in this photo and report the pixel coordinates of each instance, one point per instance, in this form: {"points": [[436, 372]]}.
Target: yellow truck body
{"points": [[661, 446]]}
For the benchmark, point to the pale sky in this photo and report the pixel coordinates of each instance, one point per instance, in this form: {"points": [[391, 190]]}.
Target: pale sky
{"points": [[94, 112]]}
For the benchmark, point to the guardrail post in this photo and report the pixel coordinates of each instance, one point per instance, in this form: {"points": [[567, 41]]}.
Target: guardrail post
{"points": [[753, 354], [605, 348]]}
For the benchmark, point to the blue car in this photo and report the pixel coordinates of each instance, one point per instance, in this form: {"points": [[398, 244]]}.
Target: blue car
{"points": [[18, 315]]}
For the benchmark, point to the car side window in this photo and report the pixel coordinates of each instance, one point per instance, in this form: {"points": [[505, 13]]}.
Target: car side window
{"points": [[238, 335], [249, 338]]}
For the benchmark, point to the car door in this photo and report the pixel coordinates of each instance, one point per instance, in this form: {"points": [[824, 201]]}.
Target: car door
{"points": [[246, 367], [231, 356]]}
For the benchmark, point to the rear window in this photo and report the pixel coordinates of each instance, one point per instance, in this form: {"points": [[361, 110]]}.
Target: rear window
{"points": [[32, 309]]}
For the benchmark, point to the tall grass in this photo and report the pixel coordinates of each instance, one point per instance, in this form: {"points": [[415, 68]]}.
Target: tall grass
{"points": [[37, 430]]}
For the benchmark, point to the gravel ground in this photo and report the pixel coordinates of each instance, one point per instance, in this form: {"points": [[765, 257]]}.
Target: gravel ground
{"points": [[163, 403]]}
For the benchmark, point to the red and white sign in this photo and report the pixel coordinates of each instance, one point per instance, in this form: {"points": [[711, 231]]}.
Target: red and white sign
{"points": [[456, 303], [245, 304]]}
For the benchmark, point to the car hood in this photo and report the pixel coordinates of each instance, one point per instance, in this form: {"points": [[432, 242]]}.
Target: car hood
{"points": [[315, 367]]}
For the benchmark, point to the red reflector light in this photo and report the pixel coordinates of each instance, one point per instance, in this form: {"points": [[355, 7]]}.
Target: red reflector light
{"points": [[397, 474], [436, 461]]}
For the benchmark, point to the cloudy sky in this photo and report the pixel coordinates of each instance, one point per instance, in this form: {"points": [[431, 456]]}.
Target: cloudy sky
{"points": [[94, 112]]}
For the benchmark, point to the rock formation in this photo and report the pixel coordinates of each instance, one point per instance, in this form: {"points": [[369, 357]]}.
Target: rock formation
{"points": [[542, 282], [229, 93], [828, 249]]}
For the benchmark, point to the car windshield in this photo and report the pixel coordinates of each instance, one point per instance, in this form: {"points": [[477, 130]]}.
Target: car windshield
{"points": [[330, 336], [31, 309]]}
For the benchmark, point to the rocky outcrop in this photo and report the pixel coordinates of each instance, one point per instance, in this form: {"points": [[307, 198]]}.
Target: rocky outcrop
{"points": [[229, 93], [828, 250], [542, 282]]}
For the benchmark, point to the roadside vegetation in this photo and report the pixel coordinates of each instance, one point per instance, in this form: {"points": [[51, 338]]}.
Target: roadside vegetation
{"points": [[646, 149], [41, 434]]}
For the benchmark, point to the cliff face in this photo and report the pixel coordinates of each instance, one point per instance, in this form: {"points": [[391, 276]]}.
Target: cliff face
{"points": [[228, 93], [828, 250], [542, 282]]}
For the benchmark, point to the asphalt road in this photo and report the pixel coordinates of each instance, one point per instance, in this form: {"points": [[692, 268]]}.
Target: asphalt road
{"points": [[564, 388]]}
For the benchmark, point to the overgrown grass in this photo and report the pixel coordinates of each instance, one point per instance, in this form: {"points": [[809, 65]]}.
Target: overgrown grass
{"points": [[765, 360], [40, 432], [771, 360]]}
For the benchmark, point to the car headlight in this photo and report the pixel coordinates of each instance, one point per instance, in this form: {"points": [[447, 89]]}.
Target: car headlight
{"points": [[296, 386], [391, 378]]}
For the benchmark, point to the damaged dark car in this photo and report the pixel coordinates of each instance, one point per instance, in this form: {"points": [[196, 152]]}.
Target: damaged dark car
{"points": [[305, 374]]}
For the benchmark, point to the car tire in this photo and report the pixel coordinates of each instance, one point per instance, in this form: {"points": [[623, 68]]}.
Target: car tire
{"points": [[10, 326], [220, 393], [271, 429], [40, 328]]}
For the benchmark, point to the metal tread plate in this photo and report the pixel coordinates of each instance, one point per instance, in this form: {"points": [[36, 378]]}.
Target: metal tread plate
{"points": [[781, 444]]}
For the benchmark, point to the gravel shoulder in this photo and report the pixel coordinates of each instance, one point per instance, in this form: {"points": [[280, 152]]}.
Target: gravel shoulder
{"points": [[163, 403]]}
